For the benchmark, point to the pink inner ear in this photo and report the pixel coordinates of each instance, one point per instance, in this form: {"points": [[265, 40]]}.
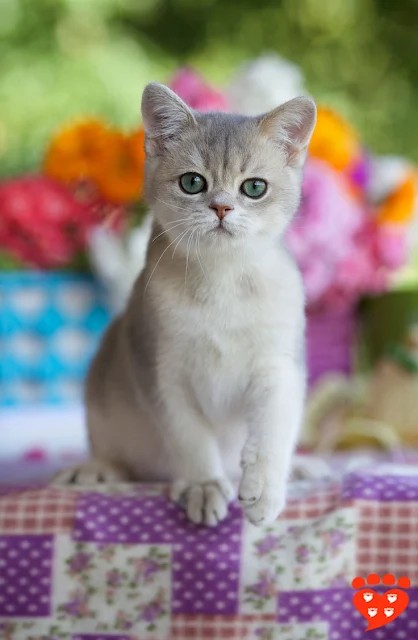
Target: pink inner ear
{"points": [[292, 125]]}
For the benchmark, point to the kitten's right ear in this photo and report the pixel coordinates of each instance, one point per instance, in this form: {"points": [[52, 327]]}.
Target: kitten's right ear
{"points": [[164, 116]]}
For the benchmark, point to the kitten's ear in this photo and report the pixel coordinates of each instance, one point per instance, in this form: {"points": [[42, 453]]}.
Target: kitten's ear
{"points": [[292, 125], [164, 116]]}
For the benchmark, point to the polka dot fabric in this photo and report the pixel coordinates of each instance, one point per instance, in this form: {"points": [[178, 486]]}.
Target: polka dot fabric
{"points": [[205, 561], [344, 621], [123, 563], [381, 488], [50, 327], [25, 575]]}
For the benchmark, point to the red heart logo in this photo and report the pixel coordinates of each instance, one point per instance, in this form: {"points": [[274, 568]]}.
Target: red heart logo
{"points": [[380, 608]]}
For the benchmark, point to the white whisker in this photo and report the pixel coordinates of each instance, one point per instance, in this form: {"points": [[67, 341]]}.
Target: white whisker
{"points": [[170, 204], [159, 259], [182, 236], [199, 256], [187, 255], [172, 225]]}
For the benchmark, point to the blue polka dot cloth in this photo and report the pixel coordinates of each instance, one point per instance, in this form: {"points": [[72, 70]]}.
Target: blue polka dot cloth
{"points": [[50, 326]]}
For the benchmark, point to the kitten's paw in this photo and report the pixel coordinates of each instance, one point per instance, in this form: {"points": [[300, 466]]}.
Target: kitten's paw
{"points": [[206, 502], [90, 473], [261, 494]]}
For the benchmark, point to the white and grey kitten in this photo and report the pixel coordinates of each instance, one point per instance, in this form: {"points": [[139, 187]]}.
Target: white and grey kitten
{"points": [[201, 381]]}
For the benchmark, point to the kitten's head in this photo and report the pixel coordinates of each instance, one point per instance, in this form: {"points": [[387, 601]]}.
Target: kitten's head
{"points": [[223, 178]]}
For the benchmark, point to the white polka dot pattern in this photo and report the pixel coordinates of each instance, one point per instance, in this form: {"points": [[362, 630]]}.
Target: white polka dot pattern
{"points": [[25, 575], [206, 562]]}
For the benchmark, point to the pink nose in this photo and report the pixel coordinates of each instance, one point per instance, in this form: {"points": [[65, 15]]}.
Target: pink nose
{"points": [[221, 209]]}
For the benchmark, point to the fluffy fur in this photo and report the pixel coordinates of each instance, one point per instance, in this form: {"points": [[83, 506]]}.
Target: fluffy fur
{"points": [[201, 381]]}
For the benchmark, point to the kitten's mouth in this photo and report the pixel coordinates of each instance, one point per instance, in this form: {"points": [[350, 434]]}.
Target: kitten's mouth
{"points": [[220, 229]]}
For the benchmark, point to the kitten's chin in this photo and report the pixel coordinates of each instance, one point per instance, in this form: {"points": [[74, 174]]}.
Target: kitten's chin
{"points": [[220, 231]]}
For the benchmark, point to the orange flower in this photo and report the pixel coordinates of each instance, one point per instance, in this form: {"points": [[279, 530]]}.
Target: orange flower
{"points": [[74, 152], [398, 207], [119, 173], [334, 140]]}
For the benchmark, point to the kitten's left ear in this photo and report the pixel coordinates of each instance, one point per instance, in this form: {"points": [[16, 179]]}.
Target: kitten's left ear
{"points": [[164, 116], [292, 125]]}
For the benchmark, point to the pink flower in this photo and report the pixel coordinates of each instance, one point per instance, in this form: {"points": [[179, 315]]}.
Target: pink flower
{"points": [[323, 234], [114, 578], [341, 250], [265, 587], [267, 544], [79, 562], [391, 246], [145, 568], [42, 223], [196, 93], [77, 606]]}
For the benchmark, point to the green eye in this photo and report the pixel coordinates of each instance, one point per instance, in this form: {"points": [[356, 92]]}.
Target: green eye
{"points": [[254, 187], [192, 183]]}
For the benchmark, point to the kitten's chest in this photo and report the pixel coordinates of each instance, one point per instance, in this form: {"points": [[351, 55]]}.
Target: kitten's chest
{"points": [[219, 346]]}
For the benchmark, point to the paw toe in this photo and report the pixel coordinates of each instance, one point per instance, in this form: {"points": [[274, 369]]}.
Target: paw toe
{"points": [[87, 474], [251, 486], [205, 503]]}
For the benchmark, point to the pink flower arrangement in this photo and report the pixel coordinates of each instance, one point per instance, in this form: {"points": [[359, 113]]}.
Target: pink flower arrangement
{"points": [[342, 251], [195, 92], [324, 232]]}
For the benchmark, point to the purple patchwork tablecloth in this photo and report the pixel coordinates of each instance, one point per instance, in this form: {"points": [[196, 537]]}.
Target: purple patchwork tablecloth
{"points": [[123, 563]]}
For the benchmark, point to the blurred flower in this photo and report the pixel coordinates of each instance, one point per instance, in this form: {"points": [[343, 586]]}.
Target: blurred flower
{"points": [[123, 621], [119, 174], [391, 247], [334, 539], [191, 88], [302, 553], [323, 233], [360, 173], [152, 611], [118, 260], [75, 151], [398, 208], [263, 84], [114, 578], [79, 562], [145, 568], [341, 250], [267, 544], [265, 587], [335, 141], [77, 606], [42, 223], [387, 173], [108, 159]]}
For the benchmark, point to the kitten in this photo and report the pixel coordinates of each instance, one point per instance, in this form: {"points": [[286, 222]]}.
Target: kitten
{"points": [[204, 372]]}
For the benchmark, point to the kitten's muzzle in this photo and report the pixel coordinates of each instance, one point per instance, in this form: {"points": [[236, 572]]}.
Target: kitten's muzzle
{"points": [[221, 209]]}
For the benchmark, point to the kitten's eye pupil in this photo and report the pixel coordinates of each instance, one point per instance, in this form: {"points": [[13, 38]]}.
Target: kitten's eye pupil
{"points": [[254, 187], [192, 183]]}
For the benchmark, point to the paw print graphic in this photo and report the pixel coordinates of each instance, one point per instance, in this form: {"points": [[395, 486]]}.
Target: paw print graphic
{"points": [[380, 608]]}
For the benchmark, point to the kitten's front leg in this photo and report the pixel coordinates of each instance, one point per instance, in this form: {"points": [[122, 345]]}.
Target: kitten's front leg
{"points": [[199, 480], [274, 413]]}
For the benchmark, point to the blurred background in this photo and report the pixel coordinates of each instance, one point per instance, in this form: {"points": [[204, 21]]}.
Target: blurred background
{"points": [[71, 77], [63, 58]]}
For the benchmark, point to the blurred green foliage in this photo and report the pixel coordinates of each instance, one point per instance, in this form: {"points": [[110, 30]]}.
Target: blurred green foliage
{"points": [[62, 59]]}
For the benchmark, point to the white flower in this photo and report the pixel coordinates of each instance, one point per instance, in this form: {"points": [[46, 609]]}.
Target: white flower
{"points": [[263, 84], [386, 174], [117, 261]]}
